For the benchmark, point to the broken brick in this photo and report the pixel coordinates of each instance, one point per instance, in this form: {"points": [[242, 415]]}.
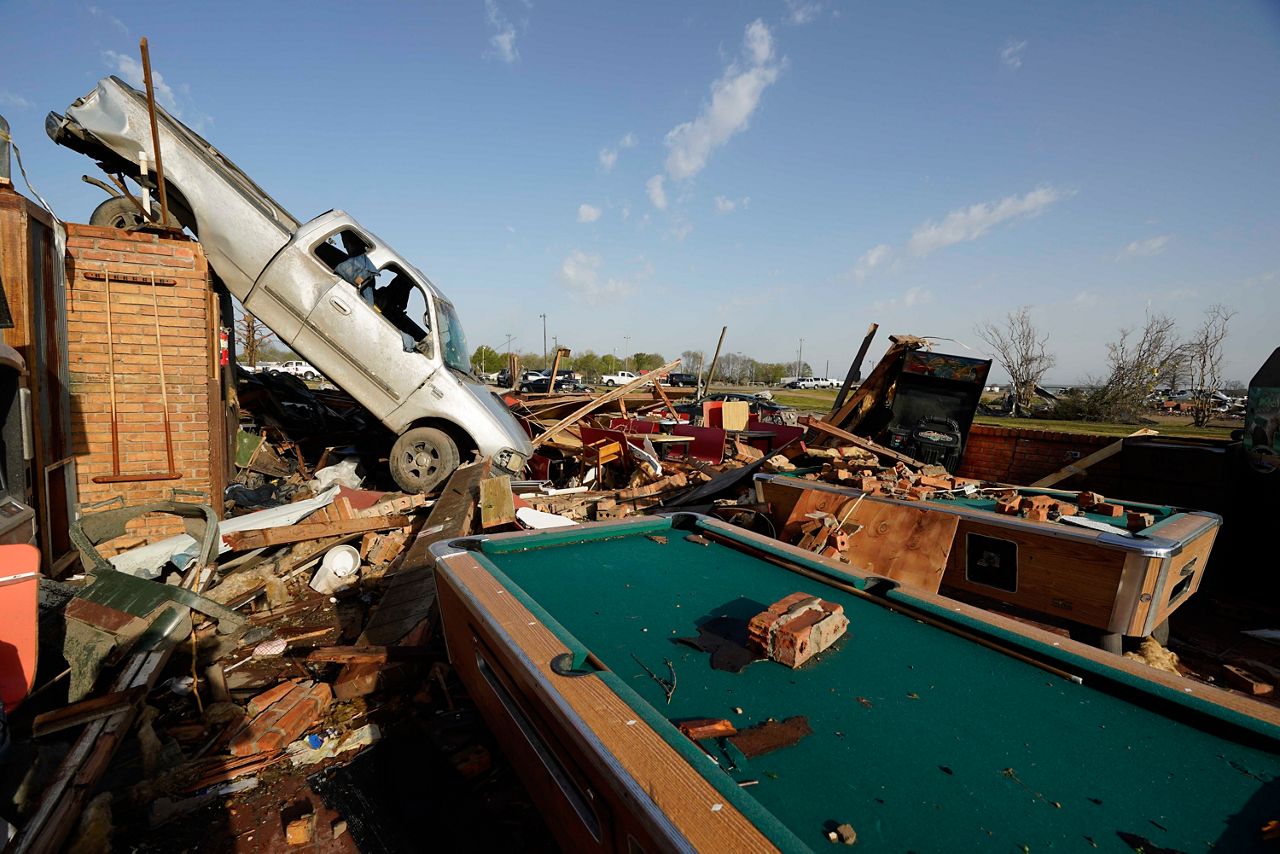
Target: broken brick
{"points": [[796, 628], [1115, 511], [1089, 499], [1139, 521]]}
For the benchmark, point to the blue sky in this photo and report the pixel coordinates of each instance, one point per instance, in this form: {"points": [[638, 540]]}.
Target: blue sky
{"points": [[789, 169]]}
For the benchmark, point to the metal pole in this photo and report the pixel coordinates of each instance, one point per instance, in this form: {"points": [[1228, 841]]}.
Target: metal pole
{"points": [[626, 357], [155, 132], [544, 339], [800, 360]]}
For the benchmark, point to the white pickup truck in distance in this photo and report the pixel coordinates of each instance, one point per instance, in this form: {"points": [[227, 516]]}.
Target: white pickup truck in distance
{"points": [[620, 378], [330, 289], [302, 370]]}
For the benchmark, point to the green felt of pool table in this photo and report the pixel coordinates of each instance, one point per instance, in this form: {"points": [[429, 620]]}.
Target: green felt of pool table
{"points": [[921, 740]]}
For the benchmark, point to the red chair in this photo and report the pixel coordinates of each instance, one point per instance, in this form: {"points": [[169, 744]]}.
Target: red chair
{"points": [[707, 444], [712, 414], [643, 426], [782, 433]]}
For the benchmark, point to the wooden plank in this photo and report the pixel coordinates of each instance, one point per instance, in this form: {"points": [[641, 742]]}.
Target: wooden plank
{"points": [[1079, 466], [715, 360], [617, 394], [877, 383], [855, 369], [260, 539], [366, 654], [661, 393], [865, 444], [497, 504], [555, 368], [86, 711]]}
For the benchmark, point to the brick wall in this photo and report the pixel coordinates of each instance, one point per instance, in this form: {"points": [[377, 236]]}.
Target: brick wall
{"points": [[184, 313], [1024, 455]]}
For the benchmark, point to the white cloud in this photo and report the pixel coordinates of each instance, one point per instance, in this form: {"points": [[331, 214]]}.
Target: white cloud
{"points": [[802, 12], [625, 212], [178, 103], [871, 259], [588, 213], [1011, 53], [17, 102], [725, 205], [681, 230], [503, 41], [609, 156], [103, 15], [970, 223], [734, 98], [657, 193], [580, 274], [917, 296], [1145, 248]]}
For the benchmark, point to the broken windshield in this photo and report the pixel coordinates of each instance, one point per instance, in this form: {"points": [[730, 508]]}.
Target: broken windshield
{"points": [[453, 343]]}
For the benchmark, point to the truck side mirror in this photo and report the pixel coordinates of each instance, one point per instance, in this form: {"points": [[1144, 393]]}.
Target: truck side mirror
{"points": [[425, 347]]}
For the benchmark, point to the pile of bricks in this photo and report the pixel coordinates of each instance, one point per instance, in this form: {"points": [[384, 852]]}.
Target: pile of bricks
{"points": [[900, 481], [281, 715], [796, 628]]}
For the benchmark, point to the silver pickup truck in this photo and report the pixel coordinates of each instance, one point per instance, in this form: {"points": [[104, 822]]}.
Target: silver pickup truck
{"points": [[333, 291]]}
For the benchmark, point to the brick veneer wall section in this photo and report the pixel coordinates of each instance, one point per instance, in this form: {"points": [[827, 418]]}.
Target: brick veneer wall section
{"points": [[185, 312], [1024, 455]]}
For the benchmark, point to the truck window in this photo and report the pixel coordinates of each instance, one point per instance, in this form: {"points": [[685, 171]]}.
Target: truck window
{"points": [[453, 344], [340, 247], [399, 299]]}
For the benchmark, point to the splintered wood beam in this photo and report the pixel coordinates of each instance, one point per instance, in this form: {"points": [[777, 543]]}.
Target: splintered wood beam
{"points": [[1079, 466], [261, 539], [855, 369], [877, 383], [617, 394], [711, 372], [866, 444]]}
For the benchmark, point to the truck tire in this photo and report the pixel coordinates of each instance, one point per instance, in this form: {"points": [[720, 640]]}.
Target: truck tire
{"points": [[119, 212], [311, 375], [422, 458], [610, 383]]}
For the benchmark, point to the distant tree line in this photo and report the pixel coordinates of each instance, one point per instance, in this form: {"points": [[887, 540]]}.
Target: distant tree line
{"points": [[732, 369]]}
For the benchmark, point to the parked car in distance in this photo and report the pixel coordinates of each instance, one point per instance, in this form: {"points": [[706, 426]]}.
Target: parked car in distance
{"points": [[565, 381], [806, 382], [299, 369], [620, 378], [262, 367], [681, 380]]}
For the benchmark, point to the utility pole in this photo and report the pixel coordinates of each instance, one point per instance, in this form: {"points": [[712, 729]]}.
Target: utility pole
{"points": [[800, 360], [544, 339], [626, 356], [507, 346]]}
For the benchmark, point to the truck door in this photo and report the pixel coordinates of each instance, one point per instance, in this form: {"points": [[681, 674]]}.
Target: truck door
{"points": [[378, 333]]}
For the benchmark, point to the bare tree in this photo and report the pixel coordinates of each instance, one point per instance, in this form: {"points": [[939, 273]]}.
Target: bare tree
{"points": [[1204, 361], [1019, 348], [1137, 362], [251, 335]]}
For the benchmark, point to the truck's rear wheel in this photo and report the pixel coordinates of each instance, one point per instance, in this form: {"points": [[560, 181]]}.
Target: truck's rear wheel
{"points": [[610, 383], [422, 458]]}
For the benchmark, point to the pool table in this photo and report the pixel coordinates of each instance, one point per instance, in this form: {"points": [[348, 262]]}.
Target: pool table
{"points": [[935, 726], [1101, 577]]}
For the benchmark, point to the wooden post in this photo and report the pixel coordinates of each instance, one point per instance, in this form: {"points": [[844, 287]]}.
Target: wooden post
{"points": [[711, 372], [855, 369], [555, 366], [1096, 457]]}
